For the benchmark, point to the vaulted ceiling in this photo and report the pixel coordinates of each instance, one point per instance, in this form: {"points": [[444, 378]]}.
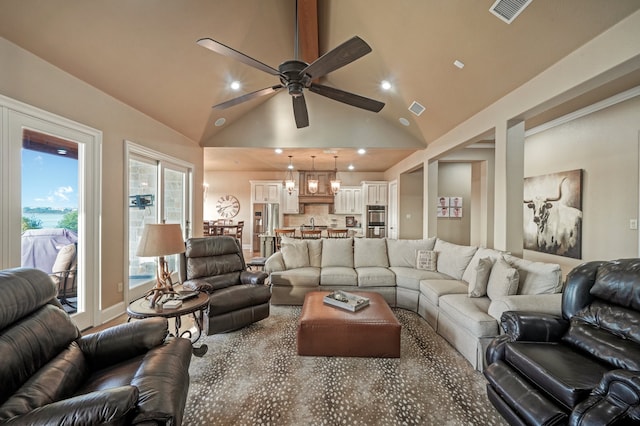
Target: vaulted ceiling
{"points": [[144, 53]]}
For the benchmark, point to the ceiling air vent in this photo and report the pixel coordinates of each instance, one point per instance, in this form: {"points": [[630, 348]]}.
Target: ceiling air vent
{"points": [[416, 108], [508, 10]]}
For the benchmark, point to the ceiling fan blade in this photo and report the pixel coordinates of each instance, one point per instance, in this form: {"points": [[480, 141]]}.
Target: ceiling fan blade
{"points": [[347, 97], [238, 56], [300, 111], [340, 56], [247, 97]]}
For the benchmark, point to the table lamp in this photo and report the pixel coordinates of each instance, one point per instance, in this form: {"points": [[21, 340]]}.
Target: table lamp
{"points": [[161, 239]]}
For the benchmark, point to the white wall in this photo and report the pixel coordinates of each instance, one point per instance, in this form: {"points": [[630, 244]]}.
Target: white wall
{"points": [[605, 146], [454, 180]]}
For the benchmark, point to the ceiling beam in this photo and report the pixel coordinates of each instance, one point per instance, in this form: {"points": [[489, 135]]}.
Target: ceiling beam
{"points": [[308, 29]]}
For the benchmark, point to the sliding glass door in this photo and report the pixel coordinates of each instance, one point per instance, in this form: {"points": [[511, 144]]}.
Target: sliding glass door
{"points": [[159, 192]]}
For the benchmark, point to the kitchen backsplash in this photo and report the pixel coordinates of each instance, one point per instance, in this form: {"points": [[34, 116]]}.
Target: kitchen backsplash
{"points": [[321, 216]]}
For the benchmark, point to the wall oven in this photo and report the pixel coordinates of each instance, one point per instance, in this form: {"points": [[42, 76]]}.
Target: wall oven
{"points": [[376, 221]]}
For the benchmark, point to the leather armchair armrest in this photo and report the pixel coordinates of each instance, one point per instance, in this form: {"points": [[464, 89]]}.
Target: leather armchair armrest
{"points": [[112, 406], [124, 341], [199, 285], [253, 277], [615, 401], [533, 327]]}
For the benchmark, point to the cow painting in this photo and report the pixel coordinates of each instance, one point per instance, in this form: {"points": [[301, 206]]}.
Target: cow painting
{"points": [[553, 214]]}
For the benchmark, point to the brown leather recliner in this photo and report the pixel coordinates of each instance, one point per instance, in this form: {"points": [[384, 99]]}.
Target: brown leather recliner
{"points": [[127, 374], [237, 297], [580, 369]]}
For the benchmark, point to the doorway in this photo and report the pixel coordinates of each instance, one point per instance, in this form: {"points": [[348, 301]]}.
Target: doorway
{"points": [[70, 151]]}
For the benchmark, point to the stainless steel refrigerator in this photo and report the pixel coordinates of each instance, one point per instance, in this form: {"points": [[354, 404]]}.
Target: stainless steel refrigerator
{"points": [[266, 219]]}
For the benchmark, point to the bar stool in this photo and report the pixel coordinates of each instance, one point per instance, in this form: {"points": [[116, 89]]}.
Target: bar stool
{"points": [[337, 233], [308, 234]]}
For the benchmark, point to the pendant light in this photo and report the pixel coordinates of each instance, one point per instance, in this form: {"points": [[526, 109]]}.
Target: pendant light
{"points": [[335, 182], [312, 183], [289, 182]]}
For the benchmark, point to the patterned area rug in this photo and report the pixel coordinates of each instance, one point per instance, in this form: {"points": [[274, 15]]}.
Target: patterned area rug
{"points": [[254, 377]]}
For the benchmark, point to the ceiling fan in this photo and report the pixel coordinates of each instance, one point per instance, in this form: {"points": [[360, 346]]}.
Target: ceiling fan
{"points": [[296, 75]]}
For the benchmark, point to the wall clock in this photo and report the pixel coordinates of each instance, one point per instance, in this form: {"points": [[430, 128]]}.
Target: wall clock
{"points": [[227, 206]]}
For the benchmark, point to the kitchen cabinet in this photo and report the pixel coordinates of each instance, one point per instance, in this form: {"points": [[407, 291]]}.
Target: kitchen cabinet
{"points": [[348, 200], [266, 191], [375, 193], [291, 204]]}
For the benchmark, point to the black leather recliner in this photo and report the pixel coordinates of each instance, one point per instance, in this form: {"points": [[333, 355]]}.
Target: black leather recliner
{"points": [[580, 369], [237, 297], [50, 374]]}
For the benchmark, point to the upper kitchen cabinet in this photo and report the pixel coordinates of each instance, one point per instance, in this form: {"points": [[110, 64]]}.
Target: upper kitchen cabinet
{"points": [[375, 193], [348, 200], [291, 203], [267, 191]]}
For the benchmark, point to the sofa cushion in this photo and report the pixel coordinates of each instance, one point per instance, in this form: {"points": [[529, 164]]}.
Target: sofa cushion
{"points": [[370, 252], [470, 313], [314, 248], [338, 275], [301, 277], [337, 252], [503, 280], [403, 252], [482, 252], [537, 277], [410, 277], [478, 286], [453, 259], [427, 260], [433, 289], [375, 276], [295, 255]]}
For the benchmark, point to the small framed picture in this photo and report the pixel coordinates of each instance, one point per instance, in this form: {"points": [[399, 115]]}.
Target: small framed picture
{"points": [[443, 202], [443, 211], [455, 211], [455, 201], [350, 221]]}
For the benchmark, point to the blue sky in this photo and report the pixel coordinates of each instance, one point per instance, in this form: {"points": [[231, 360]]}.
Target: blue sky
{"points": [[49, 180]]}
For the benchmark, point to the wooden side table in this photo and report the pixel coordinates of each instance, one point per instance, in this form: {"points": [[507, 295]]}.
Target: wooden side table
{"points": [[196, 306]]}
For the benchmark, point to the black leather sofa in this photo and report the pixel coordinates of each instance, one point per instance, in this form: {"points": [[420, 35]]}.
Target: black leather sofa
{"points": [[50, 374], [580, 369], [237, 297]]}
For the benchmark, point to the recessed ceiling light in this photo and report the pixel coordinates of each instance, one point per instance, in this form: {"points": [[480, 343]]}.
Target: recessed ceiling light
{"points": [[362, 151], [351, 167], [278, 150], [235, 85], [403, 121], [62, 151], [458, 64], [220, 121], [385, 85]]}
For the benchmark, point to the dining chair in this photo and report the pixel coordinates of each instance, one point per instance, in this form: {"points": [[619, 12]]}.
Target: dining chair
{"points": [[337, 233], [291, 233], [311, 234]]}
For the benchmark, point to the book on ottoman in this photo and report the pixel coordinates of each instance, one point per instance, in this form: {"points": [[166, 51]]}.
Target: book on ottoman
{"points": [[344, 300]]}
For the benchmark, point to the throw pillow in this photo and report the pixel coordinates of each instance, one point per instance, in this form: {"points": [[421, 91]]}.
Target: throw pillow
{"points": [[503, 280], [483, 271], [426, 260], [295, 255]]}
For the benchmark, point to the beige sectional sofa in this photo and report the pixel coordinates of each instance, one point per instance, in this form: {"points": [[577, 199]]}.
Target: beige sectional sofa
{"points": [[461, 291]]}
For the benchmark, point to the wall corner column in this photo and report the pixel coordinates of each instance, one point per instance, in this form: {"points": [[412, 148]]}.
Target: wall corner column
{"points": [[509, 182], [430, 226]]}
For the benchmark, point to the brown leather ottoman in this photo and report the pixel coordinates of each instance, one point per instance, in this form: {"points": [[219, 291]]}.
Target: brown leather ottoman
{"points": [[325, 330]]}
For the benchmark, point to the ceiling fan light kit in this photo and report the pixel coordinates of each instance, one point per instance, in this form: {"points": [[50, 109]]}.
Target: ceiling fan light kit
{"points": [[296, 75]]}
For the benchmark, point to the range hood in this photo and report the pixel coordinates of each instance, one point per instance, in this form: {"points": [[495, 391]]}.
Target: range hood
{"points": [[324, 195]]}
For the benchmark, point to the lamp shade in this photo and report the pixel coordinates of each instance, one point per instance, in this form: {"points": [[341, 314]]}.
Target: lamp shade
{"points": [[160, 239]]}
